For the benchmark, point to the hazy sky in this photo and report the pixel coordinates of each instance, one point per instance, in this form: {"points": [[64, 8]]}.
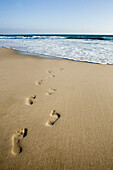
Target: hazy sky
{"points": [[56, 16]]}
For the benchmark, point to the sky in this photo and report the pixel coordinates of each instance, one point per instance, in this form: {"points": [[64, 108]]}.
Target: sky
{"points": [[56, 16]]}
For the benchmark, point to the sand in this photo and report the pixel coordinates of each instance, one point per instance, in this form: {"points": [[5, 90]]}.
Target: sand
{"points": [[55, 114]]}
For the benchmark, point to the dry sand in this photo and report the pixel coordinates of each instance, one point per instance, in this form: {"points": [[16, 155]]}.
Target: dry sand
{"points": [[55, 114]]}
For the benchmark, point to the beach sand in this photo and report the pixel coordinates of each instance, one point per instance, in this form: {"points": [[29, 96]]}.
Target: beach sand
{"points": [[55, 114]]}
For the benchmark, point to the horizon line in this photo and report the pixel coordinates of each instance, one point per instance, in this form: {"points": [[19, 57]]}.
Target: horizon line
{"points": [[1, 34]]}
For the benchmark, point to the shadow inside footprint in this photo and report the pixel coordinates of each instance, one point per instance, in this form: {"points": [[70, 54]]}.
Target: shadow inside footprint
{"points": [[33, 97], [54, 117], [52, 76], [25, 132], [30, 100], [51, 91], [24, 135], [58, 116], [39, 82], [49, 71], [16, 138]]}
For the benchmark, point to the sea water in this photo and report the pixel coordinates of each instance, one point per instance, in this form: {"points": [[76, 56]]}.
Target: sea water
{"points": [[85, 48]]}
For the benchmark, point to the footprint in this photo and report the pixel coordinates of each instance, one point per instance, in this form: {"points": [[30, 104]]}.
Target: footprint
{"points": [[39, 82], [54, 117], [16, 148], [30, 100], [51, 91], [48, 93], [52, 76], [49, 71]]}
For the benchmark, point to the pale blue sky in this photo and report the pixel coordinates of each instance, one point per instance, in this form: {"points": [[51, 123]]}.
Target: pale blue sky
{"points": [[56, 16]]}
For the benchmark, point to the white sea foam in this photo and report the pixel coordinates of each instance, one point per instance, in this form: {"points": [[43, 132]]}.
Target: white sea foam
{"points": [[95, 51]]}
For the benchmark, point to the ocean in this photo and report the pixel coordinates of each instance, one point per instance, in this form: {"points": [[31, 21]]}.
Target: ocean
{"points": [[86, 48]]}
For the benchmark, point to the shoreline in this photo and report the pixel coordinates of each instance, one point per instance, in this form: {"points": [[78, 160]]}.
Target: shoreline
{"points": [[54, 114], [41, 56]]}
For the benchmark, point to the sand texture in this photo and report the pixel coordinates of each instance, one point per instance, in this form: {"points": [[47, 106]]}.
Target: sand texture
{"points": [[55, 114]]}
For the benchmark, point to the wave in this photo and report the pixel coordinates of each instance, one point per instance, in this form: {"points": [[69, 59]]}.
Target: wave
{"points": [[87, 50], [57, 36], [30, 37]]}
